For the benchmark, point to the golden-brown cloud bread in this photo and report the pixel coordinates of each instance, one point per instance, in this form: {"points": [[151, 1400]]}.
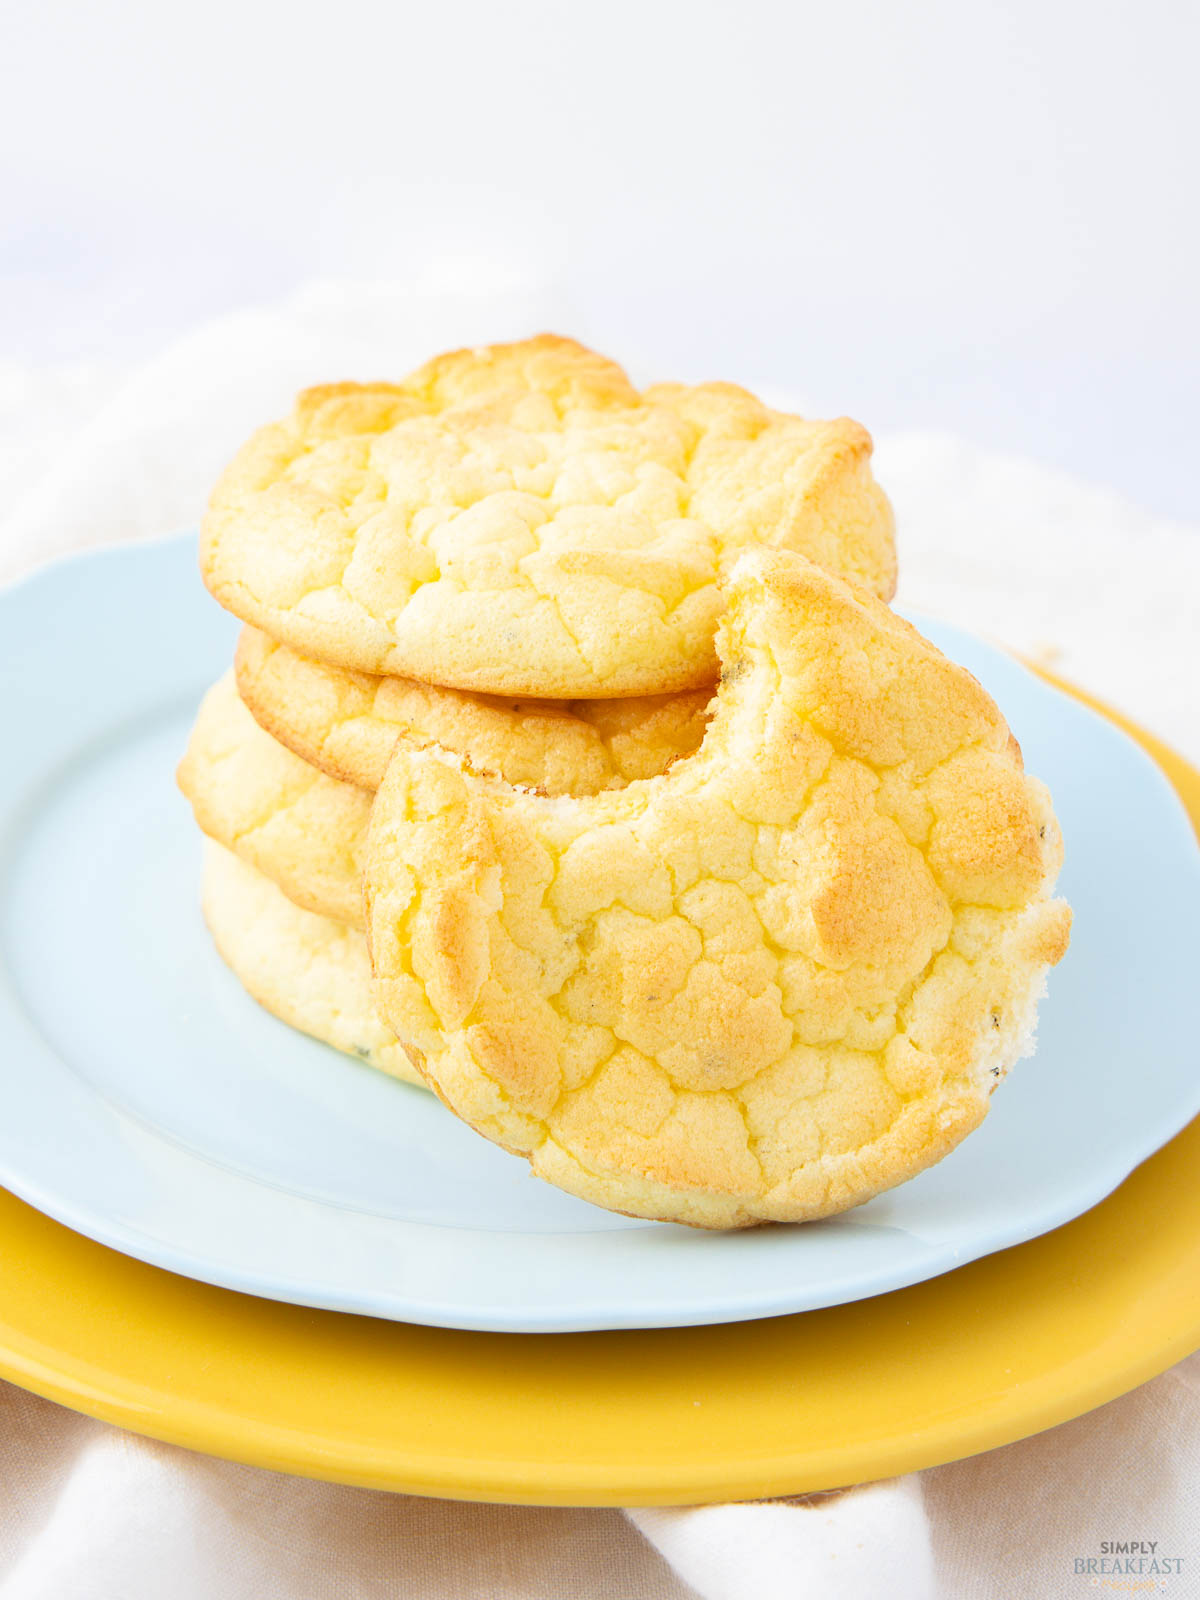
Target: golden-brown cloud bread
{"points": [[309, 971], [782, 977], [519, 519], [347, 722], [303, 829]]}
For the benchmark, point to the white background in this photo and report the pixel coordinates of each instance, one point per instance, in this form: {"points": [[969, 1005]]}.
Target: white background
{"points": [[979, 217]]}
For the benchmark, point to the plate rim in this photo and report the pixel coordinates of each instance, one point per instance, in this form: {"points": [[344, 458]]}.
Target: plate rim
{"points": [[195, 1410]]}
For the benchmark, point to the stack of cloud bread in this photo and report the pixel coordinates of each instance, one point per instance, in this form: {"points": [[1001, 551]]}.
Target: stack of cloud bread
{"points": [[686, 869]]}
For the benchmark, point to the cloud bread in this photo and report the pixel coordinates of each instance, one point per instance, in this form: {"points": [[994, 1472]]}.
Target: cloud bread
{"points": [[347, 722], [309, 971], [767, 985], [519, 519], [304, 830]]}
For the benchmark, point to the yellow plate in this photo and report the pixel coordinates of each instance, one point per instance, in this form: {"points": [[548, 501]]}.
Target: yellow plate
{"points": [[990, 1353]]}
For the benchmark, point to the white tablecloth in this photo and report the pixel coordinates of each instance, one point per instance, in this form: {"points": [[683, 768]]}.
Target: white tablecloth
{"points": [[1028, 556]]}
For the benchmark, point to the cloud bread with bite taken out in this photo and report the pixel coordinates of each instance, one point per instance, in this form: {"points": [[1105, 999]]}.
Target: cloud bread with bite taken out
{"points": [[519, 519], [346, 723], [309, 971], [770, 983]]}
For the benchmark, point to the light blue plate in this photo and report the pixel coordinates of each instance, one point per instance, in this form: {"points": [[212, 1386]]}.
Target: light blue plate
{"points": [[149, 1103]]}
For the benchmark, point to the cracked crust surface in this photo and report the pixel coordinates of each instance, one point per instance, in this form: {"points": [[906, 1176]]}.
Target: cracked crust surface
{"points": [[346, 723], [519, 519], [767, 985], [305, 831], [309, 971]]}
